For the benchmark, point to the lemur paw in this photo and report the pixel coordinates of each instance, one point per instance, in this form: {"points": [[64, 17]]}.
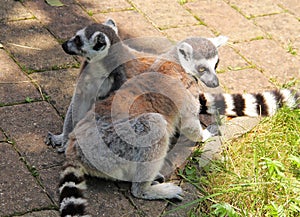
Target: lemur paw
{"points": [[62, 149], [54, 140], [211, 131], [214, 129], [158, 191], [170, 191]]}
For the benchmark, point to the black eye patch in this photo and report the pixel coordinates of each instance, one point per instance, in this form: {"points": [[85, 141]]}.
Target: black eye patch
{"points": [[100, 42], [77, 41]]}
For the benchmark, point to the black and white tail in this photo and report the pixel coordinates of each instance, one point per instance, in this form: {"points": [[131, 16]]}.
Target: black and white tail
{"points": [[258, 104], [71, 187]]}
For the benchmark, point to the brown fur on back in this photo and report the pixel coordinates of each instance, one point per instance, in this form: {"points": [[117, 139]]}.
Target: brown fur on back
{"points": [[128, 101]]}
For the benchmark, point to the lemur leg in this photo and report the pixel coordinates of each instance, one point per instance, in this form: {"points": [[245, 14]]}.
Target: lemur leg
{"points": [[150, 162], [153, 190]]}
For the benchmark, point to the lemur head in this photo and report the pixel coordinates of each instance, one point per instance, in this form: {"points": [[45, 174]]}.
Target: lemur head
{"points": [[93, 40], [199, 58]]}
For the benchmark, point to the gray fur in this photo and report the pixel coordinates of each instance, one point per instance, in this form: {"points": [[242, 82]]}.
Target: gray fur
{"points": [[197, 53], [102, 73]]}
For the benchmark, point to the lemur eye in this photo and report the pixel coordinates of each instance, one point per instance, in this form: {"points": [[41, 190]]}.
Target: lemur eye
{"points": [[100, 42], [77, 41], [201, 69]]}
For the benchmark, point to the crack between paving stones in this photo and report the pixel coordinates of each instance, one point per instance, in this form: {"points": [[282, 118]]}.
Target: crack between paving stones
{"points": [[29, 168], [130, 200], [49, 208], [146, 17]]}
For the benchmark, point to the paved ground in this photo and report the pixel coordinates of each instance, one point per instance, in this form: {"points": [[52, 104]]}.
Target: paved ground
{"points": [[37, 79]]}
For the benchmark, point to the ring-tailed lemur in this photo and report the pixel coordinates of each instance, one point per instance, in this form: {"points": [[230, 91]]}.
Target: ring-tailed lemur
{"points": [[126, 137], [105, 67]]}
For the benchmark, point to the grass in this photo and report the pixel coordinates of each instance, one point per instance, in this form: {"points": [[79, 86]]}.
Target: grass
{"points": [[260, 175], [182, 2], [291, 49]]}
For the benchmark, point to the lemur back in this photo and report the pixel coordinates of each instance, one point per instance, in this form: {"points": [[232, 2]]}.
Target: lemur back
{"points": [[126, 136]]}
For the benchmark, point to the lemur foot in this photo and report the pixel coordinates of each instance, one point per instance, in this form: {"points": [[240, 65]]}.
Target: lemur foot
{"points": [[54, 140], [210, 131], [158, 191], [62, 149]]}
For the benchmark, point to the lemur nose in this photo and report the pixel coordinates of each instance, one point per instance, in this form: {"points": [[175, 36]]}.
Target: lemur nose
{"points": [[216, 83], [213, 83], [66, 48]]}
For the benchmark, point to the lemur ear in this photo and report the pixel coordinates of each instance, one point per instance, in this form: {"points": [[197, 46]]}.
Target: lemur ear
{"points": [[219, 41], [111, 23], [185, 51]]}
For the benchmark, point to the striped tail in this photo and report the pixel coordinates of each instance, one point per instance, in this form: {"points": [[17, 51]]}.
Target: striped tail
{"points": [[71, 187], [259, 104]]}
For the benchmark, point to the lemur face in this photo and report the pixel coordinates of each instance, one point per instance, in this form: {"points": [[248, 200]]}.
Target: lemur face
{"points": [[199, 58], [94, 40]]}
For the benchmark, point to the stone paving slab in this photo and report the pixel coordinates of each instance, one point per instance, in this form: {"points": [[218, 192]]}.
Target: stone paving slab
{"points": [[95, 6], [129, 28], [146, 37], [238, 81], [105, 199], [255, 8], [180, 33], [13, 10], [49, 177], [215, 15], [27, 125], [275, 62], [291, 5], [2, 137], [162, 14], [230, 60], [51, 83], [46, 213], [19, 191], [15, 86], [281, 27], [36, 49], [56, 19]]}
